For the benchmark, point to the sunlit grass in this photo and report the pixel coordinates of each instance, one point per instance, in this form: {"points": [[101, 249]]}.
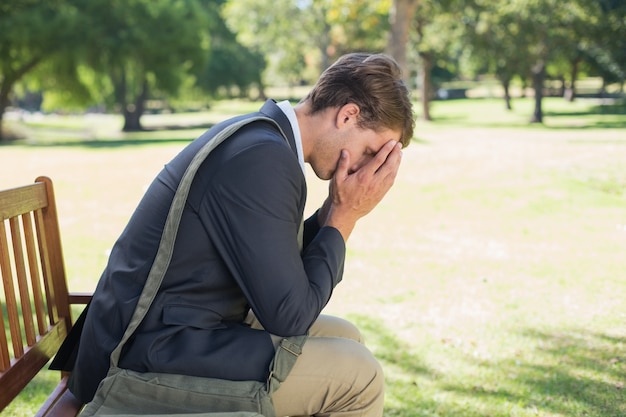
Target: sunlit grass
{"points": [[558, 113], [489, 282]]}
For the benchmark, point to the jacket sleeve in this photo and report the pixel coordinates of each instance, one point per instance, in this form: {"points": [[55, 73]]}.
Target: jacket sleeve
{"points": [[253, 209], [311, 229]]}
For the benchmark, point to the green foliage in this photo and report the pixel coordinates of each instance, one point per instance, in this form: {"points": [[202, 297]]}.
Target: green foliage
{"points": [[274, 28], [230, 64], [608, 52], [296, 35], [437, 39], [32, 32], [137, 42], [357, 25], [506, 38], [116, 53]]}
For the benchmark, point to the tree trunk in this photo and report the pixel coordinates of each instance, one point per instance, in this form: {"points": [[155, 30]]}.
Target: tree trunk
{"points": [[425, 83], [324, 46], [2, 139], [8, 81], [133, 112], [570, 92], [262, 95], [538, 75], [506, 84], [562, 87], [4, 103], [602, 91], [400, 17], [132, 121]]}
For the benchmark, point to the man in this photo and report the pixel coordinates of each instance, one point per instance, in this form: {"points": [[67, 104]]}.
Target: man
{"points": [[238, 281]]}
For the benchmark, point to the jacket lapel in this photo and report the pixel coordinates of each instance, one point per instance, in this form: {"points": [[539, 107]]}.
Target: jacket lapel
{"points": [[270, 109]]}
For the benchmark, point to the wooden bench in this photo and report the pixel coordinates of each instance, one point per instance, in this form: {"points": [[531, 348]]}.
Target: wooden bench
{"points": [[36, 306]]}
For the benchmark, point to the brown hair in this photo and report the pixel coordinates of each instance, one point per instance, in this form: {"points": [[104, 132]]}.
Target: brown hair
{"points": [[374, 83]]}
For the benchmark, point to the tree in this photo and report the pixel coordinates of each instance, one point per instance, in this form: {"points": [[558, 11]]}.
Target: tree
{"points": [[539, 37], [576, 30], [296, 37], [437, 27], [350, 26], [143, 46], [550, 29], [33, 31], [230, 65], [401, 19], [358, 25], [494, 45], [117, 53], [608, 52], [277, 29]]}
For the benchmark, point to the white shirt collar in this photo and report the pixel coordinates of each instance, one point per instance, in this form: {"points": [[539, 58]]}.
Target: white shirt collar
{"points": [[286, 107]]}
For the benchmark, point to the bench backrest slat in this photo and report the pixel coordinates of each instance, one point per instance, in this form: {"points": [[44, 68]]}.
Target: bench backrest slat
{"points": [[35, 314]]}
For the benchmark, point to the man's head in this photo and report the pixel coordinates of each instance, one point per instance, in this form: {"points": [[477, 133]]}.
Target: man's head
{"points": [[374, 83]]}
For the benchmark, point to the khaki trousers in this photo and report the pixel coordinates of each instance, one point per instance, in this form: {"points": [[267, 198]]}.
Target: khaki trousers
{"points": [[336, 375]]}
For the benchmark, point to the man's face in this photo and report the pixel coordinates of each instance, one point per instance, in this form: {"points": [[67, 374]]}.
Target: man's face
{"points": [[365, 144], [362, 145]]}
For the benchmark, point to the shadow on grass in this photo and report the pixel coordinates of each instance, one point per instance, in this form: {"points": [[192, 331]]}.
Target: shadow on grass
{"points": [[568, 373], [185, 126], [599, 124], [105, 143], [616, 124], [618, 108], [66, 137], [601, 116], [572, 373], [405, 399]]}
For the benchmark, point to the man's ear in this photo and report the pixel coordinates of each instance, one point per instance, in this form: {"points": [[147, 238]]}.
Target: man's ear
{"points": [[348, 115]]}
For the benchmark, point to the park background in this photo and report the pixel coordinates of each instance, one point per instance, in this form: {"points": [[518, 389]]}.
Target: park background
{"points": [[489, 282]]}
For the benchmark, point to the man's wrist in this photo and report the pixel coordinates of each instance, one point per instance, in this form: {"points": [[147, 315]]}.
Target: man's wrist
{"points": [[342, 224]]}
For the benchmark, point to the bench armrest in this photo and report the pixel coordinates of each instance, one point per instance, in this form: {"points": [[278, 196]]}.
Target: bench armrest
{"points": [[80, 297]]}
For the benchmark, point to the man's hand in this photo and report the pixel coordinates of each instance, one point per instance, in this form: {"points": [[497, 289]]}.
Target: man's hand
{"points": [[352, 195]]}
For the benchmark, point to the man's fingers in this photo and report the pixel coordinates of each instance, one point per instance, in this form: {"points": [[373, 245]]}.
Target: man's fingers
{"points": [[386, 161], [392, 163], [343, 165], [380, 159]]}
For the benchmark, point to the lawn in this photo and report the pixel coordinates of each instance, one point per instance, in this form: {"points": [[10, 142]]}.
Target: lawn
{"points": [[491, 281]]}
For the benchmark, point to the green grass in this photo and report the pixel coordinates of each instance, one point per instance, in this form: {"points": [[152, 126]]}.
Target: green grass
{"points": [[489, 282], [558, 113], [566, 373]]}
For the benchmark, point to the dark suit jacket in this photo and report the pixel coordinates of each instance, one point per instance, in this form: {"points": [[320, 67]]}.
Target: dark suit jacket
{"points": [[236, 249]]}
